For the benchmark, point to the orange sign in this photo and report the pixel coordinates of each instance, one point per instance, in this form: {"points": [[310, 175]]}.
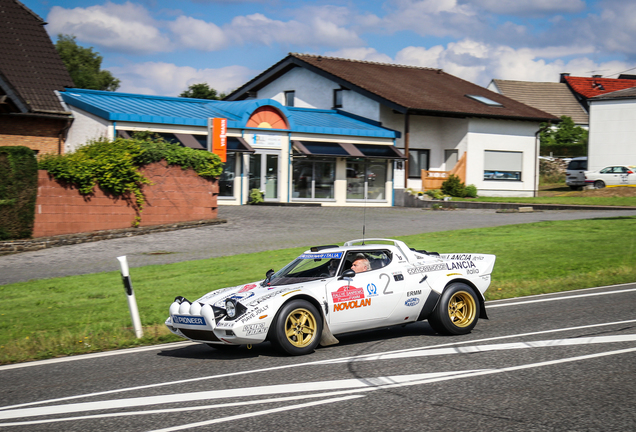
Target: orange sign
{"points": [[219, 138]]}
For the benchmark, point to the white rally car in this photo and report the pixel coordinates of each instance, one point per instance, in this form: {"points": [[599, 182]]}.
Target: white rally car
{"points": [[319, 295]]}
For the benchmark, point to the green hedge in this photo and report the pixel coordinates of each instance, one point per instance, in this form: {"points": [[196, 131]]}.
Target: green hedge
{"points": [[18, 192]]}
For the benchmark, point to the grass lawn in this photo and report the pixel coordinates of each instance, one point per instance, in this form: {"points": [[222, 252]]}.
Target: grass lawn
{"points": [[78, 314]]}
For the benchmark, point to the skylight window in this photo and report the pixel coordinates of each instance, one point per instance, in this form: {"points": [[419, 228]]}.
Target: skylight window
{"points": [[485, 100]]}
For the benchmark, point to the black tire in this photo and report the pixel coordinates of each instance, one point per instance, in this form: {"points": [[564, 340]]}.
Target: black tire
{"points": [[457, 311], [298, 328], [599, 184]]}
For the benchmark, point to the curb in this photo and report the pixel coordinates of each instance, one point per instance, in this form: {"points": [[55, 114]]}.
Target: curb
{"points": [[516, 206], [17, 246]]}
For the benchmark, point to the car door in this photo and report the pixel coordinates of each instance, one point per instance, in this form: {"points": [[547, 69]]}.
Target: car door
{"points": [[626, 176], [368, 299]]}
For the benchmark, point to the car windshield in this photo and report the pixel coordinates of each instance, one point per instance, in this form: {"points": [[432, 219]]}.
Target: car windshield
{"points": [[308, 267]]}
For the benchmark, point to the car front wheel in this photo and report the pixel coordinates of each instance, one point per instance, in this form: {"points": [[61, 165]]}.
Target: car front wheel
{"points": [[457, 311], [298, 328], [599, 184]]}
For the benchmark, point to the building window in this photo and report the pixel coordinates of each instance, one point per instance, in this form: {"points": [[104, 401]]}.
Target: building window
{"points": [[337, 98], [226, 180], [502, 165], [367, 180], [289, 98], [418, 161], [314, 179]]}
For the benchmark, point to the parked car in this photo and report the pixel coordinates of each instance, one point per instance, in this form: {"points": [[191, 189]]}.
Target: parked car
{"points": [[611, 176], [319, 295], [575, 173]]}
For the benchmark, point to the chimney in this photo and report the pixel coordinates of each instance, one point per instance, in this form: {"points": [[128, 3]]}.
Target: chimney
{"points": [[563, 75]]}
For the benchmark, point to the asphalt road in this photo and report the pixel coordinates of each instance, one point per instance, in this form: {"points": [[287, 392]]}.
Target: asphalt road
{"points": [[261, 228], [557, 362]]}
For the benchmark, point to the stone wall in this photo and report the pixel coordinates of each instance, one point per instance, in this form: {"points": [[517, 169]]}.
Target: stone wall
{"points": [[175, 195]]}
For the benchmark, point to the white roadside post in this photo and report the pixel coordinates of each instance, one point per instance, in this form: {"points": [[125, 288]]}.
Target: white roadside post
{"points": [[130, 294]]}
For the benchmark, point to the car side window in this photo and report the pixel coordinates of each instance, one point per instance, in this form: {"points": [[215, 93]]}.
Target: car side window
{"points": [[606, 170], [377, 259]]}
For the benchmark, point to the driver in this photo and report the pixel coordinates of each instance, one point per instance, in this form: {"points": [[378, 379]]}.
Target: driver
{"points": [[360, 265]]}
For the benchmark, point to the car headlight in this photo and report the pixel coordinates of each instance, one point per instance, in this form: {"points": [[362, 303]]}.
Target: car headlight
{"points": [[230, 308]]}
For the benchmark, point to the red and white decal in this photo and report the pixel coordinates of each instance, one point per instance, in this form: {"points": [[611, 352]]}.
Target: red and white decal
{"points": [[347, 293], [247, 287]]}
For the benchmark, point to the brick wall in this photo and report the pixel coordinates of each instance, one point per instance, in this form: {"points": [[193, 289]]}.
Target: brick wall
{"points": [[36, 133], [176, 195]]}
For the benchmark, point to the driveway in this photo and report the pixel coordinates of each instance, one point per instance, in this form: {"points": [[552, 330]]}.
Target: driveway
{"points": [[261, 228]]}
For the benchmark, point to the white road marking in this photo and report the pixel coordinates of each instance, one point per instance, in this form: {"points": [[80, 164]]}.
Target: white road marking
{"points": [[569, 297], [217, 394], [319, 362], [499, 347]]}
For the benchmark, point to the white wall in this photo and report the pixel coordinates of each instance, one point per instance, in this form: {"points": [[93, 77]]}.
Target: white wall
{"points": [[315, 91], [502, 135], [85, 127], [612, 131]]}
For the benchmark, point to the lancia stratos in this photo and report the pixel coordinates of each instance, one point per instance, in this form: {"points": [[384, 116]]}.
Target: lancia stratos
{"points": [[330, 290]]}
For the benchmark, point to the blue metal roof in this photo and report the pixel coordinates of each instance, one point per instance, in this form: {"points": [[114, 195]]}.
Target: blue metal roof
{"points": [[195, 112]]}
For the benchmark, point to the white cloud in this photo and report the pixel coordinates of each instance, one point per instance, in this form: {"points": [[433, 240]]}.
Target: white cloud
{"points": [[198, 34], [259, 29], [125, 28], [364, 54], [526, 8], [167, 79], [479, 63]]}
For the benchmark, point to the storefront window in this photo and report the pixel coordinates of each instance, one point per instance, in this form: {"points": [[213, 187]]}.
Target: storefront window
{"points": [[226, 180], [314, 179], [367, 179]]}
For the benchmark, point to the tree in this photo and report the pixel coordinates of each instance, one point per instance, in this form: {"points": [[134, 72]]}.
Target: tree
{"points": [[84, 65], [564, 139], [201, 91]]}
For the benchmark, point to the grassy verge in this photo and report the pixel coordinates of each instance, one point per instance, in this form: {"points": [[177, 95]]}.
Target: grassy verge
{"points": [[79, 314]]}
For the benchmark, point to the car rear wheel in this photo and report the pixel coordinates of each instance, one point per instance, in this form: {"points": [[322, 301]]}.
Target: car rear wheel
{"points": [[298, 328], [599, 184], [457, 312]]}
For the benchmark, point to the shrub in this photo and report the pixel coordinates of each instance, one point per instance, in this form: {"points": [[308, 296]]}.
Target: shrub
{"points": [[256, 196], [18, 192], [435, 194], [471, 191], [453, 186]]}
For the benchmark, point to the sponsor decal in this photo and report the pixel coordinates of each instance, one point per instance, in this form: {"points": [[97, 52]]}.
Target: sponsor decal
{"points": [[472, 271], [414, 293], [372, 290], [486, 277], [225, 324], [425, 269], [254, 313], [268, 296], [347, 293], [214, 294], [332, 255], [412, 301], [252, 329], [247, 287], [353, 304], [190, 320], [460, 265], [463, 257]]}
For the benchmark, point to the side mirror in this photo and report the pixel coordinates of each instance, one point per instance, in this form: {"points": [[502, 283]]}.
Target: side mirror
{"points": [[269, 274], [347, 275]]}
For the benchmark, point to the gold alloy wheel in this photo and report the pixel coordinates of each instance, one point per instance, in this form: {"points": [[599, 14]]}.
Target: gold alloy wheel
{"points": [[462, 309], [300, 327]]}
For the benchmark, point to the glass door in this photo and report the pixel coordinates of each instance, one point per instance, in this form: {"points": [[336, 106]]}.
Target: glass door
{"points": [[263, 174]]}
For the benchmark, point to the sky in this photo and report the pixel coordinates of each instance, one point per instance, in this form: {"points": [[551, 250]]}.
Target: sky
{"points": [[160, 47]]}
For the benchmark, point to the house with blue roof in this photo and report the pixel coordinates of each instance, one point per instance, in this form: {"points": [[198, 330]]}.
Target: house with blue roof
{"points": [[291, 154]]}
